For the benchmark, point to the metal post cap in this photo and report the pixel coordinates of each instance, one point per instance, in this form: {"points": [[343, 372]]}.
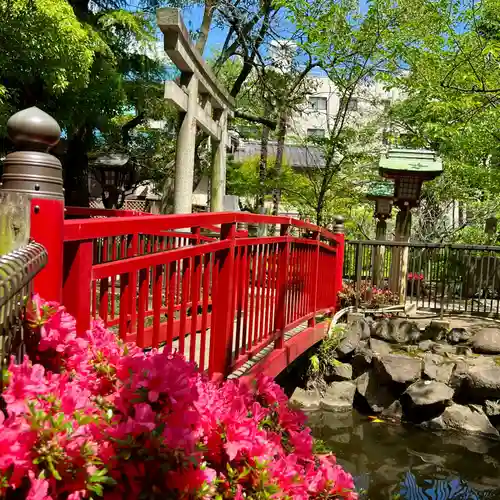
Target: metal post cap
{"points": [[33, 129], [339, 224]]}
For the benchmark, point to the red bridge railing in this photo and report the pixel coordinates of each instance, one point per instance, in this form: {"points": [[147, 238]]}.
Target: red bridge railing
{"points": [[196, 283], [220, 300]]}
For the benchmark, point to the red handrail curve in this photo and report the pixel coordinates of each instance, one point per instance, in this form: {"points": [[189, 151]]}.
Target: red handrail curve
{"points": [[218, 300]]}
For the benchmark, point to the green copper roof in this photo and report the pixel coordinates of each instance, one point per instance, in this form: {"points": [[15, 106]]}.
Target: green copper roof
{"points": [[419, 162], [380, 189]]}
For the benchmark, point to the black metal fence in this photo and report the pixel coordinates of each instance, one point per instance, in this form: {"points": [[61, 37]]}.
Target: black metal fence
{"points": [[17, 270], [439, 277]]}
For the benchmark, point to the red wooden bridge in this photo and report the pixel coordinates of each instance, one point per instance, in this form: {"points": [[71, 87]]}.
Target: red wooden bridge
{"points": [[195, 283], [232, 302]]}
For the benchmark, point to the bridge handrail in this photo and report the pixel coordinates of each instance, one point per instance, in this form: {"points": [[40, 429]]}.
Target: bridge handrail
{"points": [[223, 299]]}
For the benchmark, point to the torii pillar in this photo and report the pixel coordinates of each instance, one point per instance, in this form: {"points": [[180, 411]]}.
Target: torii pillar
{"points": [[202, 102]]}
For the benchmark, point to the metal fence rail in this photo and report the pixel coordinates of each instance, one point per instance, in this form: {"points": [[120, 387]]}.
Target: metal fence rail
{"points": [[439, 277], [17, 270]]}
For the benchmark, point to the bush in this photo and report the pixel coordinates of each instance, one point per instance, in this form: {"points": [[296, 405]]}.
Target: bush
{"points": [[90, 417], [370, 296]]}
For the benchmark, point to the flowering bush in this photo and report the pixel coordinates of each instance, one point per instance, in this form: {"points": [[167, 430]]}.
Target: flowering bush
{"points": [[415, 277], [370, 296], [90, 417]]}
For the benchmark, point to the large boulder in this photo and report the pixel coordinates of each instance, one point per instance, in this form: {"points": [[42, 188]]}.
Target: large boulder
{"points": [[483, 381], [380, 347], [396, 330], [338, 396], [429, 392], [457, 335], [351, 340], [305, 399], [465, 419], [339, 371], [459, 374], [438, 368], [487, 340], [374, 396], [362, 360], [398, 368]]}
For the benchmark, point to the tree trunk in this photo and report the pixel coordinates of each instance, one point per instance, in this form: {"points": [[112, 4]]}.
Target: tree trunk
{"points": [[76, 171], [208, 14], [264, 141], [278, 166]]}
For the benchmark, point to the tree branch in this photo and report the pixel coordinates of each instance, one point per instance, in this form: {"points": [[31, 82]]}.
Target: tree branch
{"points": [[255, 119]]}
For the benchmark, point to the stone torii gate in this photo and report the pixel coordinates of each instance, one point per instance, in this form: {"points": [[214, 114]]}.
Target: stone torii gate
{"points": [[202, 102]]}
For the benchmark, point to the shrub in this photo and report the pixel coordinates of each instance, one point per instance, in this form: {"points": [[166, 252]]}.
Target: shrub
{"points": [[370, 296], [90, 417]]}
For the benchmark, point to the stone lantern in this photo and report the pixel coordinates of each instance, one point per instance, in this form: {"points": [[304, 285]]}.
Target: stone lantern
{"points": [[409, 169]]}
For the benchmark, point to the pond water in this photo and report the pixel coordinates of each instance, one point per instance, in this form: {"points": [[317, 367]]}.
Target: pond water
{"points": [[389, 461]]}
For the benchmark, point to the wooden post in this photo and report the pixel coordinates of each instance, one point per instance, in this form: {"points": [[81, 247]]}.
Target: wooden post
{"points": [[223, 306], [78, 257], [282, 288], [399, 263], [34, 172], [338, 230], [313, 307]]}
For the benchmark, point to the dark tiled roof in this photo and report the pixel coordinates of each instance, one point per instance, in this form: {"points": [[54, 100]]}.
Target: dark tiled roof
{"points": [[295, 156]]}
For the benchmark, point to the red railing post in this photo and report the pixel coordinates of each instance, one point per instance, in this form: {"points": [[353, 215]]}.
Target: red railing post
{"points": [[282, 287], [223, 306], [313, 304], [77, 282], [133, 251], [338, 231], [31, 171]]}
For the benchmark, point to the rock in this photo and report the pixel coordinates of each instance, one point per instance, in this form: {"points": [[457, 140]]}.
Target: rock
{"points": [[435, 368], [443, 349], [337, 421], [350, 341], [436, 330], [463, 350], [361, 361], [462, 418], [380, 329], [429, 392], [492, 408], [425, 345], [305, 399], [365, 329], [398, 368], [340, 371], [376, 396], [458, 374], [394, 411], [339, 396], [487, 341], [396, 330], [483, 381], [380, 347], [457, 335]]}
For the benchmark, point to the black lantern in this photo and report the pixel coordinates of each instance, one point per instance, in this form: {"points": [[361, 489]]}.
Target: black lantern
{"points": [[115, 174]]}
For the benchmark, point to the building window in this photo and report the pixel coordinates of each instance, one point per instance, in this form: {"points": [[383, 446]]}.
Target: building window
{"points": [[318, 103], [315, 132]]}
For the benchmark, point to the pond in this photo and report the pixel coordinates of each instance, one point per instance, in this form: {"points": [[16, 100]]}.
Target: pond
{"points": [[390, 461]]}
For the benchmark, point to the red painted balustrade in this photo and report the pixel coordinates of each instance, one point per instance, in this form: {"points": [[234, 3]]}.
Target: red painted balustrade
{"points": [[195, 284]]}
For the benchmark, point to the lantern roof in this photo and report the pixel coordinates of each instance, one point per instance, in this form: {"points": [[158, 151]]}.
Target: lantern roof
{"points": [[421, 163], [380, 189], [110, 160]]}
